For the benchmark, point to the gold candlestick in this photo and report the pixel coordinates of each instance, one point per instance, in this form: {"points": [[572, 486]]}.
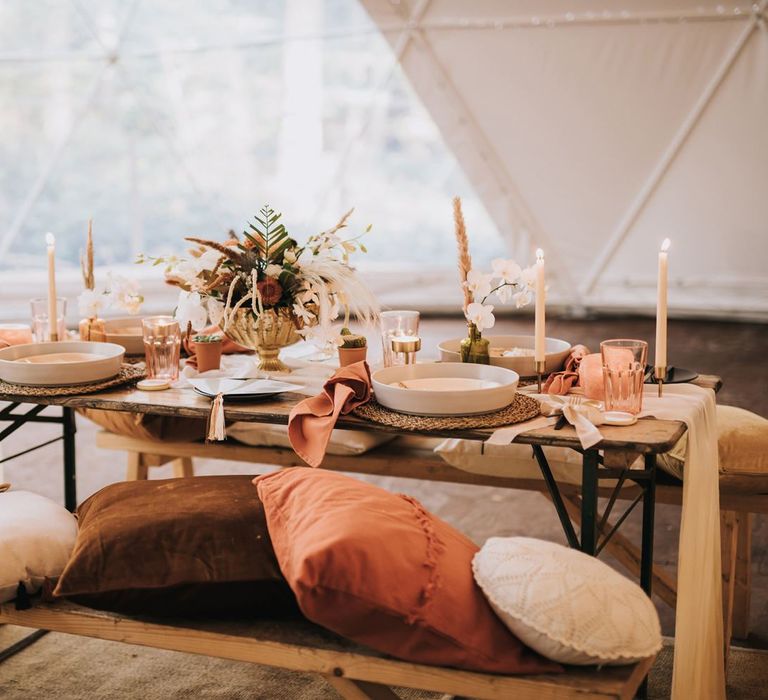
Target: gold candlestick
{"points": [[541, 366], [660, 374]]}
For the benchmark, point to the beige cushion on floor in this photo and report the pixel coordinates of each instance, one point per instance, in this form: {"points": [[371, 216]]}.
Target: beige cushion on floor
{"points": [[567, 605], [742, 439], [36, 539], [343, 442]]}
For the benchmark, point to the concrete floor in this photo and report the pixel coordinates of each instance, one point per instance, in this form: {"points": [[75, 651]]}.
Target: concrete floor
{"points": [[736, 352]]}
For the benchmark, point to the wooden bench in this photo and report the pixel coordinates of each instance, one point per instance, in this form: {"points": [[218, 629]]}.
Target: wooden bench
{"points": [[413, 462], [355, 672]]}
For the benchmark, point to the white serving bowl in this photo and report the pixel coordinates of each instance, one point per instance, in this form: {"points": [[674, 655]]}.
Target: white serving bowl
{"points": [[96, 362], [126, 332], [445, 388], [556, 353]]}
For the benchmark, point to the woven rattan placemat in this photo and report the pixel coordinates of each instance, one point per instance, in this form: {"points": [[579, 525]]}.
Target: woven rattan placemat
{"points": [[521, 409], [128, 375]]}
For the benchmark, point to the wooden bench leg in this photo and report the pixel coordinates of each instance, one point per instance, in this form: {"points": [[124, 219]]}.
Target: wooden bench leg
{"points": [[729, 536], [743, 587], [183, 467], [137, 468]]}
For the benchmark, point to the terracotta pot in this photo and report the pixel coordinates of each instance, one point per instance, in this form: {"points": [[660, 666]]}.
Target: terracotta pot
{"points": [[348, 356], [208, 355]]}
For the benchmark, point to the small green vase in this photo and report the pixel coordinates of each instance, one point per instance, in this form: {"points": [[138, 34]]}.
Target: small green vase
{"points": [[474, 348]]}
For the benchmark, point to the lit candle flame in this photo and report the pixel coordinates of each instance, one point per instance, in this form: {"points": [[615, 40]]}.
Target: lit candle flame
{"points": [[50, 240], [665, 245], [539, 255]]}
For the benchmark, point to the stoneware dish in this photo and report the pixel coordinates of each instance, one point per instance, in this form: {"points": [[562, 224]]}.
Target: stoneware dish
{"points": [[557, 353], [60, 364], [126, 332], [444, 388]]}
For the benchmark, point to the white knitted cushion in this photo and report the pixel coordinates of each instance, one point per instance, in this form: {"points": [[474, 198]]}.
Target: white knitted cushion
{"points": [[36, 540], [565, 604]]}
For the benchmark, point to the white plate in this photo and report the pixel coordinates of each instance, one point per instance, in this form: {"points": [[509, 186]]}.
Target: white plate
{"points": [[556, 353], [619, 418], [445, 388], [68, 363], [126, 332], [242, 388]]}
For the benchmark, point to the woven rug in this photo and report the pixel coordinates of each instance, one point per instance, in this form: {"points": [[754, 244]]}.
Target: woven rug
{"points": [[521, 409], [128, 374]]}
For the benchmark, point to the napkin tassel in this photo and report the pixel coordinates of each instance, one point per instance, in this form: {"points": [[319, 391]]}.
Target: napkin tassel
{"points": [[216, 430]]}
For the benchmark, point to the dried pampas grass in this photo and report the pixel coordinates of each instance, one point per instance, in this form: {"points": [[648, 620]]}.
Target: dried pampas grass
{"points": [[462, 243]]}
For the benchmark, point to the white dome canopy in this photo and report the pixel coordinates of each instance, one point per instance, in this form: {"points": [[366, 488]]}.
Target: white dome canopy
{"points": [[595, 133]]}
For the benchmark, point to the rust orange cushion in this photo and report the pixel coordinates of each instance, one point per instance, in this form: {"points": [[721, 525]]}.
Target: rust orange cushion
{"points": [[377, 568]]}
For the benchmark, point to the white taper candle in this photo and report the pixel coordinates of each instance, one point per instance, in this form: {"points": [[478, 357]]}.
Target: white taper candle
{"points": [[53, 316], [540, 351], [661, 307]]}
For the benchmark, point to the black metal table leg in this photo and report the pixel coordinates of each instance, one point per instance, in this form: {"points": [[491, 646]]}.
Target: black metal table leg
{"points": [[649, 509], [70, 468], [589, 480]]}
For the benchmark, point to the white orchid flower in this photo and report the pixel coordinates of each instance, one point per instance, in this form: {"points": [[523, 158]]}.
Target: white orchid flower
{"points": [[290, 256], [507, 271], [481, 315], [522, 298], [190, 310], [215, 310], [91, 303], [479, 284], [504, 294], [124, 293], [303, 313], [273, 270], [528, 277]]}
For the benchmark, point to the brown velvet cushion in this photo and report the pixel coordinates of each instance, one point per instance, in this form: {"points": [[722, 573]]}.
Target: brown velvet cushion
{"points": [[377, 568], [176, 547]]}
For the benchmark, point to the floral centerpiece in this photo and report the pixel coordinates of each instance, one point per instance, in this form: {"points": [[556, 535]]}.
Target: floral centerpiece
{"points": [[266, 291], [507, 281]]}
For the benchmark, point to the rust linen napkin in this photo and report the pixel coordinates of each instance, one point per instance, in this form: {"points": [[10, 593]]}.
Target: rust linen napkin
{"points": [[562, 382], [311, 421]]}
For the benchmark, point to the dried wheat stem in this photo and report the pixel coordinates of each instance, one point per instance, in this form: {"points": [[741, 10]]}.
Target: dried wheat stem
{"points": [[462, 243], [223, 249], [86, 261]]}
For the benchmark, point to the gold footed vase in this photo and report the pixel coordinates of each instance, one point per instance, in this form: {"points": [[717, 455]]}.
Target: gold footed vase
{"points": [[266, 333]]}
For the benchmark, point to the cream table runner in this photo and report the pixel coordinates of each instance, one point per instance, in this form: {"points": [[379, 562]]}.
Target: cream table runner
{"points": [[698, 664]]}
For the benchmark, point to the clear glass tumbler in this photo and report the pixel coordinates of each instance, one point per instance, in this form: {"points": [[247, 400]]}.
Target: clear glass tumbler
{"points": [[162, 342], [623, 373], [396, 324], [41, 332]]}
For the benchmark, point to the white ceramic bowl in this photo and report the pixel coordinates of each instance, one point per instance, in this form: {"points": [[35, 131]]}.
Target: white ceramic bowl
{"points": [[126, 332], [445, 388], [79, 362], [557, 353]]}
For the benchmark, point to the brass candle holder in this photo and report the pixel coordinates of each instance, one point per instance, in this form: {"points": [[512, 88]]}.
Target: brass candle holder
{"points": [[660, 374], [540, 366], [407, 346]]}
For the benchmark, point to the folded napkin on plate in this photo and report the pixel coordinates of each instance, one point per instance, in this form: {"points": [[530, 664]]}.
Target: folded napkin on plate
{"points": [[228, 347], [562, 382], [311, 421]]}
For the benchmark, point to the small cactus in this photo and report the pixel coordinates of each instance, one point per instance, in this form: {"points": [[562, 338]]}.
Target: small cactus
{"points": [[350, 340]]}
